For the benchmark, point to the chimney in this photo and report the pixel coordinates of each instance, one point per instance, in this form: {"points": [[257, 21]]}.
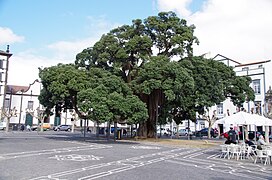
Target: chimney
{"points": [[7, 49]]}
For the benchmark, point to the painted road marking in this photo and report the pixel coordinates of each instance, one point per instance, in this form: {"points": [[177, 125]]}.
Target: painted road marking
{"points": [[114, 167], [145, 147], [52, 151], [75, 157]]}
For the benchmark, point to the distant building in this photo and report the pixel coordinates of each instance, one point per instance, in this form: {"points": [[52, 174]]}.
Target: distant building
{"points": [[257, 71]]}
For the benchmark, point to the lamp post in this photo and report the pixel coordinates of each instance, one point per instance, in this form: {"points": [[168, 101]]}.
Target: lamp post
{"points": [[8, 113]]}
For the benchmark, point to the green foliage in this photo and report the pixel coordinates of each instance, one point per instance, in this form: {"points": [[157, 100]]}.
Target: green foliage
{"points": [[214, 82], [162, 74], [106, 77], [96, 94], [61, 82], [170, 34]]}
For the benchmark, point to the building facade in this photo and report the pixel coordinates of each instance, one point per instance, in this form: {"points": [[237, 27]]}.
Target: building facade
{"points": [[258, 74]]}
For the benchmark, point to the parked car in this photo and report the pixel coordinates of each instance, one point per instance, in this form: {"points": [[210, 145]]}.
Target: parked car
{"points": [[62, 128], [2, 125], [204, 132], [184, 132]]}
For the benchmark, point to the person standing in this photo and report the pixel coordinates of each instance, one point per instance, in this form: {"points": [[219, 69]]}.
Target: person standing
{"points": [[232, 135]]}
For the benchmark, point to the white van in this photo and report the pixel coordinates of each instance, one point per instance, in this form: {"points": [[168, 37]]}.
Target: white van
{"points": [[2, 125]]}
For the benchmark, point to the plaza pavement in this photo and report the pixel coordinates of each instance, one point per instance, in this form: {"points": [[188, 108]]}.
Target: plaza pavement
{"points": [[64, 155]]}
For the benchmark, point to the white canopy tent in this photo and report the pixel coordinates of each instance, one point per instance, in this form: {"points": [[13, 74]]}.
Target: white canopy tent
{"points": [[243, 118], [240, 118]]}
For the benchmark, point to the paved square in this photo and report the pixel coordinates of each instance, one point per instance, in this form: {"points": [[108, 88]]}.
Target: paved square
{"points": [[58, 155]]}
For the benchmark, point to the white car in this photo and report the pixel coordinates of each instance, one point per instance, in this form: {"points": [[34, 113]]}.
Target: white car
{"points": [[2, 125], [184, 132]]}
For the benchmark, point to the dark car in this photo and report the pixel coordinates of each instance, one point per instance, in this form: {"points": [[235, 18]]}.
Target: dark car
{"points": [[62, 128], [204, 132]]}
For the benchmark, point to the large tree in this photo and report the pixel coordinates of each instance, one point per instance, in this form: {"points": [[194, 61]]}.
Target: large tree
{"points": [[161, 80], [94, 94], [214, 83], [125, 50]]}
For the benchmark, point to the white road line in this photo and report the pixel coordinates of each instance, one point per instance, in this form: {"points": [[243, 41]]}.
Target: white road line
{"points": [[125, 163], [49, 151], [233, 167], [205, 168]]}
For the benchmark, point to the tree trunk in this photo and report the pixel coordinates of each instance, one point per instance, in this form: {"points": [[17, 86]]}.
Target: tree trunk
{"points": [[148, 129], [108, 130], [209, 130], [7, 124], [115, 131]]}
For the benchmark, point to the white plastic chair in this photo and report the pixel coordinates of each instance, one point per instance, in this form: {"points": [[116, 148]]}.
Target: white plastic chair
{"points": [[250, 152], [224, 151], [261, 154], [235, 150]]}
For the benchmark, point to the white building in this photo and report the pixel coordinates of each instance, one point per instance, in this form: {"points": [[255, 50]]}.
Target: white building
{"points": [[258, 72]]}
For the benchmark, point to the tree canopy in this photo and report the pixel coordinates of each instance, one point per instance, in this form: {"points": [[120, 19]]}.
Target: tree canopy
{"points": [[129, 75]]}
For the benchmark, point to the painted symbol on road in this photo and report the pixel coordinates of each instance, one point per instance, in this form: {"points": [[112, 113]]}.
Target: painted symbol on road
{"points": [[76, 157], [145, 147]]}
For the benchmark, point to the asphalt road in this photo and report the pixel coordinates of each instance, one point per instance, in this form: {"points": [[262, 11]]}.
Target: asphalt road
{"points": [[64, 155]]}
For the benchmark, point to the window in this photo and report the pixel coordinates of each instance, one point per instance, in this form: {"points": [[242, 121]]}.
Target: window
{"points": [[258, 107], [220, 109], [202, 125], [257, 86], [30, 104], [6, 103]]}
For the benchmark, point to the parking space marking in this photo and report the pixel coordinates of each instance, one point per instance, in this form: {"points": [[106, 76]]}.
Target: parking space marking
{"points": [[106, 169], [214, 163], [145, 147], [75, 157], [52, 151]]}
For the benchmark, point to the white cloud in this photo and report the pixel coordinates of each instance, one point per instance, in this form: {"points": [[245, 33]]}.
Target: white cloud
{"points": [[23, 68], [179, 6], [238, 29], [67, 50], [24, 65], [8, 36]]}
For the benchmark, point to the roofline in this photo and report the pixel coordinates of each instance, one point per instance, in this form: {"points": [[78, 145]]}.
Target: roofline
{"points": [[3, 53], [226, 58], [253, 63]]}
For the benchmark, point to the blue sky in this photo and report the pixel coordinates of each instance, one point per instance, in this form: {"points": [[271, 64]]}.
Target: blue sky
{"points": [[48, 21], [43, 33]]}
